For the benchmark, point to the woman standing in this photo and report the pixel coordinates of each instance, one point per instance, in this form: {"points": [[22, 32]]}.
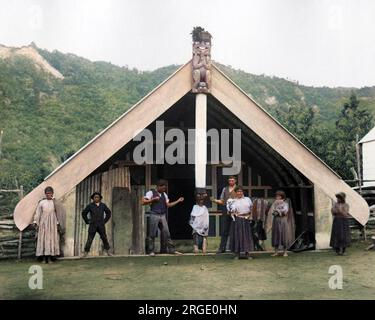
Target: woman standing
{"points": [[49, 222], [280, 233], [340, 235], [241, 237]]}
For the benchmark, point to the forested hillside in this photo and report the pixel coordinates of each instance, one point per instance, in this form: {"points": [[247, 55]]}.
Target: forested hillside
{"points": [[45, 117]]}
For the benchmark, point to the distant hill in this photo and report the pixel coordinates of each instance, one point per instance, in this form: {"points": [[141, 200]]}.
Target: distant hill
{"points": [[273, 92], [52, 103], [30, 52]]}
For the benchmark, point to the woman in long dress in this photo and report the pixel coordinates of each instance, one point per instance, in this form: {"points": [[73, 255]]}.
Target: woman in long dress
{"points": [[340, 235], [280, 228], [47, 225], [241, 237]]}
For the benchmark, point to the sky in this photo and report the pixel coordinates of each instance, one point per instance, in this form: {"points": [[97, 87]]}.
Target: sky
{"points": [[315, 42]]}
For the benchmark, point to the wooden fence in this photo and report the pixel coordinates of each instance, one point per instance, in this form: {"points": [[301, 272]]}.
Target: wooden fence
{"points": [[14, 243]]}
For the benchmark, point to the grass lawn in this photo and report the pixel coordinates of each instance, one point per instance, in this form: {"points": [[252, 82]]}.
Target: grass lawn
{"points": [[300, 276]]}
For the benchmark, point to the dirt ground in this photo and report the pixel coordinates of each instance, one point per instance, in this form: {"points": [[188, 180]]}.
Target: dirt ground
{"points": [[300, 276]]}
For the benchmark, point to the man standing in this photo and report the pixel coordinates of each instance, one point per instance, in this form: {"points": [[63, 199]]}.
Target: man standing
{"points": [[226, 220], [159, 203], [99, 216], [49, 222]]}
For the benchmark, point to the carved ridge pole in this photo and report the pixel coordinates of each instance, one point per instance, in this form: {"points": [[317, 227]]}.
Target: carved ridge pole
{"points": [[201, 85]]}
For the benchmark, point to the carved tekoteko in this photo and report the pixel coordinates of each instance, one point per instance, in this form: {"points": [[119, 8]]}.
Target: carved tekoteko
{"points": [[201, 60]]}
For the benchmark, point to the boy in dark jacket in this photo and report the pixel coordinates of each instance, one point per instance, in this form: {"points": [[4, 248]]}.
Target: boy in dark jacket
{"points": [[99, 216]]}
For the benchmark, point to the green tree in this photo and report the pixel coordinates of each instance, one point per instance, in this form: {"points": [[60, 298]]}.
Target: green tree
{"points": [[299, 120], [353, 120]]}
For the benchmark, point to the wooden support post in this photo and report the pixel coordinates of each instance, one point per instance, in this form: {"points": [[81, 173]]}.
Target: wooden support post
{"points": [[214, 185], [148, 176], [20, 234], [20, 246], [240, 177], [304, 216], [364, 233], [1, 140], [358, 164], [200, 140], [21, 192], [217, 225], [215, 195], [249, 177]]}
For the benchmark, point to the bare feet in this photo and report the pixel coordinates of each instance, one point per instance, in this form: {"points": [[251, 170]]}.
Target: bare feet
{"points": [[204, 246], [275, 254], [285, 254], [178, 253], [196, 251]]}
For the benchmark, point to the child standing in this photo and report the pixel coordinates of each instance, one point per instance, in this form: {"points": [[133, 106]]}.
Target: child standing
{"points": [[199, 221]]}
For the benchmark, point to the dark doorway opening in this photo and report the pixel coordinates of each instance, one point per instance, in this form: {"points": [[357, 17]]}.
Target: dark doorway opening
{"points": [[181, 185]]}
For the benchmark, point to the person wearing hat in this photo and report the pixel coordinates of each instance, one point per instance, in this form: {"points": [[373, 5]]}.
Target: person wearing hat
{"points": [[340, 235], [99, 216], [280, 230]]}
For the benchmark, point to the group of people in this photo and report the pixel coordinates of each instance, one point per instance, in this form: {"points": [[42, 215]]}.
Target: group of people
{"points": [[241, 222], [49, 222], [245, 228]]}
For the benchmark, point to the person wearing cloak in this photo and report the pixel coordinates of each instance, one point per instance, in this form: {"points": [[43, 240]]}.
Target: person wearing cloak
{"points": [[340, 235], [259, 222], [278, 212], [199, 221]]}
